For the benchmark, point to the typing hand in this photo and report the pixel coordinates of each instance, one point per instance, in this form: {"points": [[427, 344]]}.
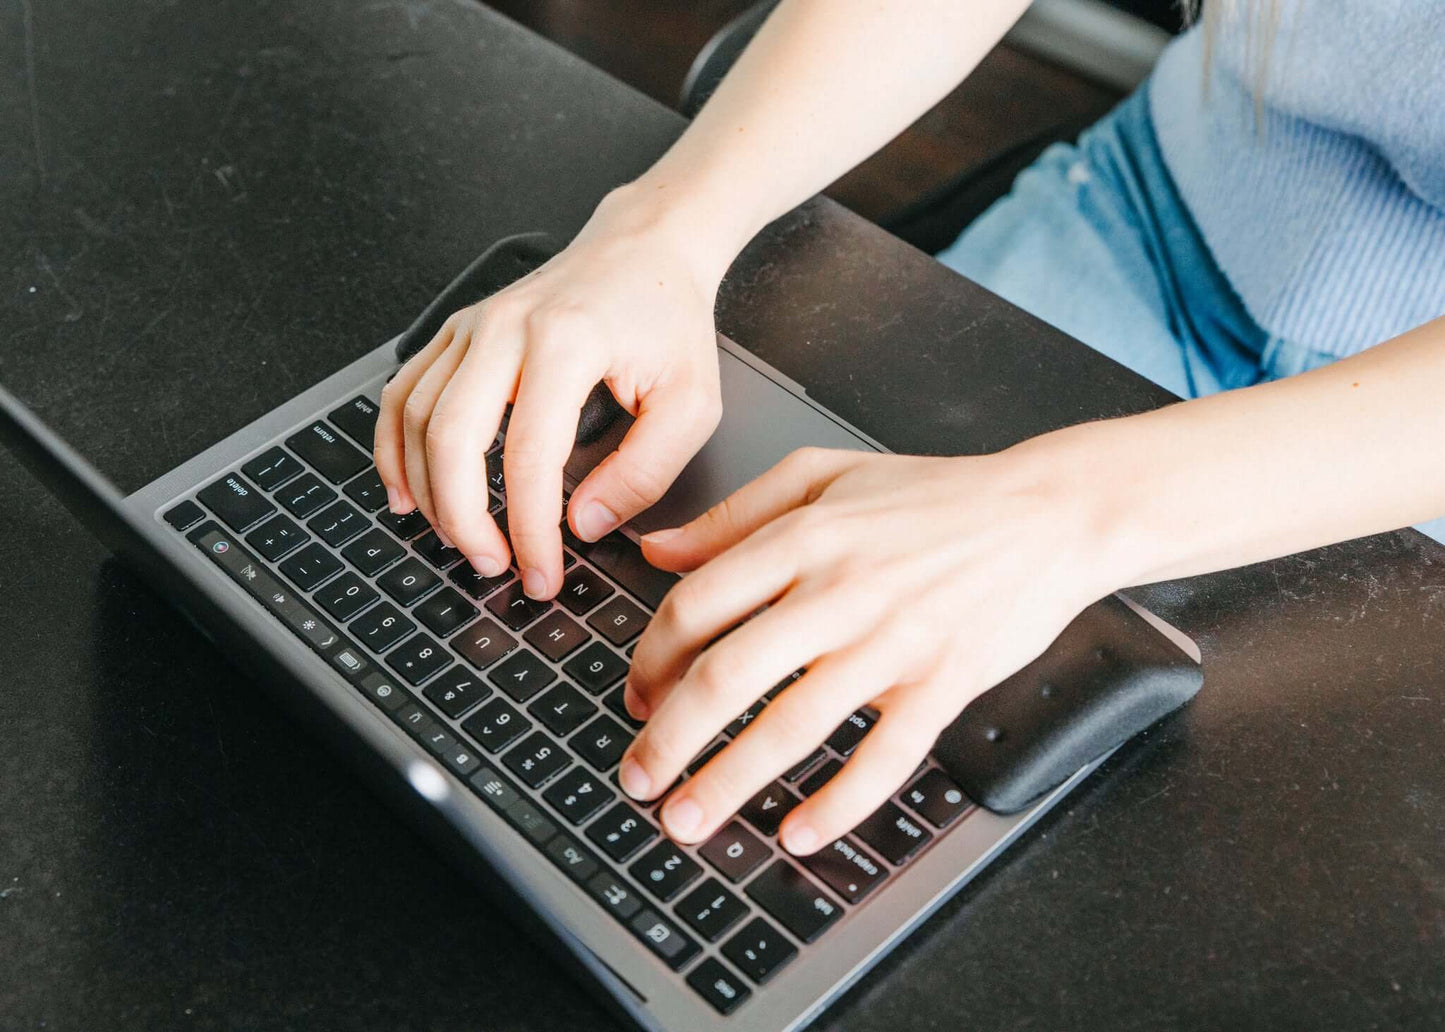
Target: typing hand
{"points": [[628, 303], [911, 584]]}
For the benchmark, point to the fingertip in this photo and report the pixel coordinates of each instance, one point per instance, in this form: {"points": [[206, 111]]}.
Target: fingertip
{"points": [[635, 704], [593, 520], [799, 837]]}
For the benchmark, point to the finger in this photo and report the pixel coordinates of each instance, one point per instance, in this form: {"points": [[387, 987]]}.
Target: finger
{"points": [[463, 425], [389, 442], [540, 436], [782, 735], [910, 719], [416, 418], [795, 481], [672, 425], [705, 604], [724, 681]]}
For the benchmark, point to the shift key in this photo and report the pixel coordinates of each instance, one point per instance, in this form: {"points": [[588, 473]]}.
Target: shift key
{"points": [[325, 450]]}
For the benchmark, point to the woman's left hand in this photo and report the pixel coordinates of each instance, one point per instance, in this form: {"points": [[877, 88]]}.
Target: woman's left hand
{"points": [[909, 584]]}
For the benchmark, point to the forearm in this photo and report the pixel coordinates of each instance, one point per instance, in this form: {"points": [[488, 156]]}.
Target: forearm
{"points": [[824, 84], [1354, 448]]}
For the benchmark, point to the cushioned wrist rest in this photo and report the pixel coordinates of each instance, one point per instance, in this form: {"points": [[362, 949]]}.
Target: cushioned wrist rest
{"points": [[1109, 675]]}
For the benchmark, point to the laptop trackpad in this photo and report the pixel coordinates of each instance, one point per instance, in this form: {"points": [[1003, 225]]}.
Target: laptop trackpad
{"points": [[762, 422]]}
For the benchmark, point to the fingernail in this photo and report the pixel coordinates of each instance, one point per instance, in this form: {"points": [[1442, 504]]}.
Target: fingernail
{"points": [[485, 565], [633, 779], [682, 816], [594, 520], [634, 703], [799, 838], [658, 537], [393, 500], [534, 583], [446, 541]]}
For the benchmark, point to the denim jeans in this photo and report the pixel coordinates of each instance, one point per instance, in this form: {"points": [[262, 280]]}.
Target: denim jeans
{"points": [[1094, 239]]}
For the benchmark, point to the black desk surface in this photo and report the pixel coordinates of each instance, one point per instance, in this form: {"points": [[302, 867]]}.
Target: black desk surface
{"points": [[207, 207]]}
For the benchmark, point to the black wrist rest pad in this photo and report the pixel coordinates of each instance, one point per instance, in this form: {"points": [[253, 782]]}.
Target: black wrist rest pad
{"points": [[1107, 677]]}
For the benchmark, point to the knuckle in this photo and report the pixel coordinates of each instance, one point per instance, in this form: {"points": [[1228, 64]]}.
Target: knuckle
{"points": [[416, 413], [677, 614], [709, 680], [643, 484]]}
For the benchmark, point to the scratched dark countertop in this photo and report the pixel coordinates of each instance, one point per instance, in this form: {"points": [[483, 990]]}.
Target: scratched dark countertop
{"points": [[208, 207]]}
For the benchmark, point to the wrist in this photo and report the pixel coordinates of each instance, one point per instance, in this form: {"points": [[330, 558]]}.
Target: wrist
{"points": [[676, 214], [1096, 477]]}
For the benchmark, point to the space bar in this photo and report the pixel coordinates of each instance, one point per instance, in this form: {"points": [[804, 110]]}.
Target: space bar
{"points": [[622, 560]]}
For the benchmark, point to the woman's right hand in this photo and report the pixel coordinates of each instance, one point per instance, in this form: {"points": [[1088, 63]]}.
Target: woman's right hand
{"points": [[630, 303]]}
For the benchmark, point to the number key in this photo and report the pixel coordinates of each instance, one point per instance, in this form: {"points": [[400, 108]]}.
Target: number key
{"points": [[536, 760], [418, 658], [381, 628], [496, 725]]}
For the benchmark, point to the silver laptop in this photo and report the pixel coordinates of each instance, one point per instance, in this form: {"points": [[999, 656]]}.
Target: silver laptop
{"points": [[496, 721]]}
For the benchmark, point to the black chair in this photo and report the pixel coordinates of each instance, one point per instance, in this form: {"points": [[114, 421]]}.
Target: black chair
{"points": [[935, 220]]}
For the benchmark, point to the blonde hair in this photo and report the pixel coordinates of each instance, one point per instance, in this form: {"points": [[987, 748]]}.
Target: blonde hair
{"points": [[1261, 27]]}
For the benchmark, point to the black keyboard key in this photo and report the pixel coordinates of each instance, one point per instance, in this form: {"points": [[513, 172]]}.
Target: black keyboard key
{"points": [[429, 546], [184, 515], [338, 523], [367, 490], [711, 910], [556, 635], [512, 606], [418, 658], [578, 863], [272, 468], [496, 478], [563, 709], [798, 904], [619, 621], [346, 596], [766, 810], [276, 537], [718, 986], [578, 795], [357, 419], [616, 703], [795, 773], [602, 743], [408, 581], [820, 777], [664, 938], [372, 552], [665, 870], [327, 453], [936, 798], [621, 832], [850, 733], [310, 566], [617, 897], [846, 869], [496, 725], [483, 643], [895, 834], [522, 675], [536, 759], [735, 851], [596, 668], [305, 496], [759, 950], [446, 612], [743, 719], [701, 759], [621, 559], [582, 589], [474, 584], [382, 627], [237, 503], [406, 526], [456, 691]]}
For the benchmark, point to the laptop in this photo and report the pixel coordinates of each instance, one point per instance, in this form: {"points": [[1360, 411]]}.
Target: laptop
{"points": [[496, 722]]}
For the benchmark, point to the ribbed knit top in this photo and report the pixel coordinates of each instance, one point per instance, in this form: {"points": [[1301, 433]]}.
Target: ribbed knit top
{"points": [[1320, 189]]}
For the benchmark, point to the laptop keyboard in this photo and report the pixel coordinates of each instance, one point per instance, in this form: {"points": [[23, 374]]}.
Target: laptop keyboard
{"points": [[522, 701]]}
